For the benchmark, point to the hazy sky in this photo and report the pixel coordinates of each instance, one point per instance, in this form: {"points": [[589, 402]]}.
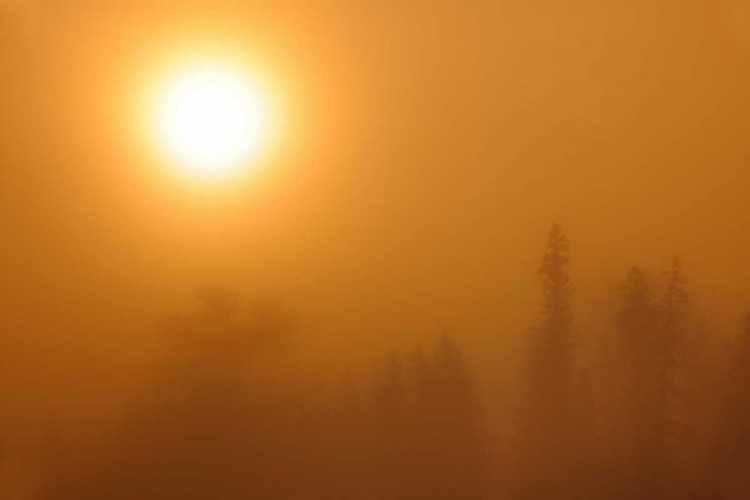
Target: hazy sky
{"points": [[428, 147]]}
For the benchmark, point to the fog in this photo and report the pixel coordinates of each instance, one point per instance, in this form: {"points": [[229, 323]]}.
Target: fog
{"points": [[424, 151]]}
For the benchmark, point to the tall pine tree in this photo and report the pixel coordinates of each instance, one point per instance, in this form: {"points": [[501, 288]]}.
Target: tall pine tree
{"points": [[734, 447], [546, 447], [637, 325], [672, 325]]}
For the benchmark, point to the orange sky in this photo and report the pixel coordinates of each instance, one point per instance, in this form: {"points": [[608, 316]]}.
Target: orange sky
{"points": [[428, 148]]}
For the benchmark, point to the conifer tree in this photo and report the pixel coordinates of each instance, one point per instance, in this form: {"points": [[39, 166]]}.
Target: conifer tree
{"points": [[636, 323], [546, 447], [672, 325], [735, 445], [391, 387], [551, 349]]}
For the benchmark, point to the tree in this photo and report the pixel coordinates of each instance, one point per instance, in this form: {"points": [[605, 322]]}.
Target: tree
{"points": [[545, 453], [734, 446], [551, 363], [389, 431], [419, 381], [461, 460], [428, 427], [211, 352], [636, 322], [586, 450], [391, 387], [671, 328], [740, 377], [214, 427]]}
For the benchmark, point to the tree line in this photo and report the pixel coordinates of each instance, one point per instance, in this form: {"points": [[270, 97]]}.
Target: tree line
{"points": [[670, 420]]}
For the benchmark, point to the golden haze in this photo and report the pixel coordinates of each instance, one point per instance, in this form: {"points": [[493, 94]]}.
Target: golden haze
{"points": [[417, 155]]}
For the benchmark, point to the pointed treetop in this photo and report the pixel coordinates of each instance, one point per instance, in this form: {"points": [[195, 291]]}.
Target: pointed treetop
{"points": [[676, 293], [635, 291], [636, 280], [556, 255], [555, 278]]}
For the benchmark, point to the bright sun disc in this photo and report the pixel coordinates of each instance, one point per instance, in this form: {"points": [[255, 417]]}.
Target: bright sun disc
{"points": [[210, 118]]}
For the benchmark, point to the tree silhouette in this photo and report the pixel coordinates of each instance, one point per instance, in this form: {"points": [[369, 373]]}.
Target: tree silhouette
{"points": [[209, 429], [652, 335], [740, 381], [551, 356], [428, 427], [462, 456], [546, 452], [220, 422], [636, 322], [586, 453], [391, 387], [672, 325], [733, 448]]}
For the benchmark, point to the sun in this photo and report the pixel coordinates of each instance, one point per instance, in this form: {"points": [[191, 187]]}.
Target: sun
{"points": [[210, 118]]}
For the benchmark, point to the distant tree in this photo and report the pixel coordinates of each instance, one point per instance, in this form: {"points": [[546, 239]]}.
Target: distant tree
{"points": [[652, 335], [213, 427], [637, 325], [210, 353], [391, 387], [734, 446], [389, 430], [461, 457], [672, 329], [586, 447], [419, 380], [346, 443], [350, 398], [423, 435], [740, 381], [675, 300], [635, 322], [429, 426], [545, 452], [551, 351]]}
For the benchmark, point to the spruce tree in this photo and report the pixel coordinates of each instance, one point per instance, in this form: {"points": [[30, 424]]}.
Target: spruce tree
{"points": [[735, 442], [636, 323], [546, 450], [551, 355], [672, 325]]}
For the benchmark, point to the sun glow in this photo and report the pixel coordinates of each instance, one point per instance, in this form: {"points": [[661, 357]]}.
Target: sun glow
{"points": [[210, 118]]}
